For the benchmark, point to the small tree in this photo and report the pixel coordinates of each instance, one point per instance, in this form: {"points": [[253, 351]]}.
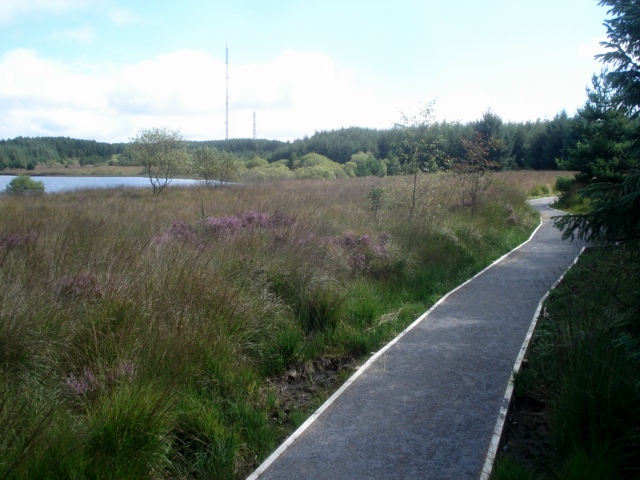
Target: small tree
{"points": [[314, 165], [376, 199], [363, 163], [215, 167], [491, 127], [603, 151], [418, 151], [473, 168], [24, 185], [367, 164], [161, 152], [615, 204]]}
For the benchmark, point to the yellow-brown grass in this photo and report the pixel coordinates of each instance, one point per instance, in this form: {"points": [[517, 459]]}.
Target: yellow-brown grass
{"points": [[530, 180]]}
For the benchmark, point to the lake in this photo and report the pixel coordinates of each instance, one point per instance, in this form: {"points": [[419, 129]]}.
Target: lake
{"points": [[59, 184]]}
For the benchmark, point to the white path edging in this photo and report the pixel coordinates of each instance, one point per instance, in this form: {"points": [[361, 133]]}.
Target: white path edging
{"points": [[507, 400], [283, 447]]}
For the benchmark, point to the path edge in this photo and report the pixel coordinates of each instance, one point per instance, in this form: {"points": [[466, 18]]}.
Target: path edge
{"points": [[302, 428], [507, 400]]}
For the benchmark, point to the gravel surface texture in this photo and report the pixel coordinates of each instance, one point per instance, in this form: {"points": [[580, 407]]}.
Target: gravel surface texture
{"points": [[426, 406]]}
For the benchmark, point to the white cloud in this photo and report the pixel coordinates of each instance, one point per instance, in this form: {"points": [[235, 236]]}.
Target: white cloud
{"points": [[12, 10], [305, 92], [122, 16], [513, 101], [592, 48], [26, 79], [84, 34], [293, 95], [180, 83], [527, 88]]}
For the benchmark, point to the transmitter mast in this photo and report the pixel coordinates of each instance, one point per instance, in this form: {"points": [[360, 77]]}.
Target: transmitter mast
{"points": [[226, 122]]}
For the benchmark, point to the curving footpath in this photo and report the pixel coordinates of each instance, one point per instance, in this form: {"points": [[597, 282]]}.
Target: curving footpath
{"points": [[426, 405]]}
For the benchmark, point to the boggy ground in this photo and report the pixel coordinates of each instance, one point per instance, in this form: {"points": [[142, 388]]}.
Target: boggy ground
{"points": [[526, 431], [185, 335], [302, 388]]}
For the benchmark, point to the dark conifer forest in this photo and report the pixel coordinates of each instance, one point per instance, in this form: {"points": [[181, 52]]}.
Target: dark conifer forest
{"points": [[537, 145]]}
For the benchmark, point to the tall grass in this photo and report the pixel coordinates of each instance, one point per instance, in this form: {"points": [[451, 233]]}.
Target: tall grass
{"points": [[586, 355], [143, 337], [536, 183], [596, 414]]}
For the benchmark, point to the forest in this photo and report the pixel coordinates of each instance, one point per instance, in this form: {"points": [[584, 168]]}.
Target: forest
{"points": [[25, 152], [531, 145]]}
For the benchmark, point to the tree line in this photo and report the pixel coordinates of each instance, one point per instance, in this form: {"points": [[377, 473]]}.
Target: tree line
{"points": [[27, 152], [530, 145]]}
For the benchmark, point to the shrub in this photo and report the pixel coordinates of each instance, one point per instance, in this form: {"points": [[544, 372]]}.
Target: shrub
{"points": [[272, 171], [564, 184], [375, 197], [23, 184]]}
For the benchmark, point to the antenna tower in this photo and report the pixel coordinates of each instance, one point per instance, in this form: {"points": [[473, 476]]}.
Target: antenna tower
{"points": [[226, 122], [254, 125]]}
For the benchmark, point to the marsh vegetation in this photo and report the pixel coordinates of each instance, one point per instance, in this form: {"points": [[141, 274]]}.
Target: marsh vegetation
{"points": [[184, 335]]}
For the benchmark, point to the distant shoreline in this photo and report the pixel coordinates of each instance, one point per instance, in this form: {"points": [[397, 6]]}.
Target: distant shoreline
{"points": [[77, 171], [82, 171]]}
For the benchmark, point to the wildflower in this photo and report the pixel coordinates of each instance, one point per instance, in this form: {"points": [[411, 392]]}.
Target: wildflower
{"points": [[88, 382], [228, 225], [245, 221], [363, 250], [221, 226], [124, 371], [82, 384], [80, 285], [12, 240], [178, 230]]}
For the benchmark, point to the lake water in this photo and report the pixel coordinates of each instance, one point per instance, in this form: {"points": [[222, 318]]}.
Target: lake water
{"points": [[59, 184]]}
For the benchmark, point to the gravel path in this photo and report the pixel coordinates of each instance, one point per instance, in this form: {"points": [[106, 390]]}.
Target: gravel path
{"points": [[426, 405]]}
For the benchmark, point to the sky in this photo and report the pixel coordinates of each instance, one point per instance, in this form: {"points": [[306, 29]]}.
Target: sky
{"points": [[106, 69]]}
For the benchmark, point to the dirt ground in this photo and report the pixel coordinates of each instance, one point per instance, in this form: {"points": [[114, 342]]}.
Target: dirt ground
{"points": [[526, 431], [304, 387]]}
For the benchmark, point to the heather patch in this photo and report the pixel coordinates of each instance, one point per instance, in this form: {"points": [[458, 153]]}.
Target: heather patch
{"points": [[88, 382], [512, 218], [82, 285], [177, 231], [222, 227], [251, 220], [12, 240], [364, 253]]}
